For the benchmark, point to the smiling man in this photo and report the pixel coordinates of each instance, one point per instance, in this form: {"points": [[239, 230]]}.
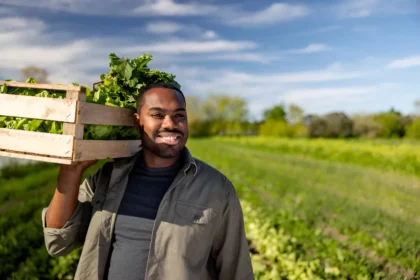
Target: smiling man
{"points": [[161, 214]]}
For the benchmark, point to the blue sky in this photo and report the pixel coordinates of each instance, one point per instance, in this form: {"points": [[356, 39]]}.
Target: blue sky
{"points": [[356, 56]]}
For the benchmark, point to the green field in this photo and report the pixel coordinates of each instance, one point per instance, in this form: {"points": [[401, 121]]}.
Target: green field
{"points": [[323, 209]]}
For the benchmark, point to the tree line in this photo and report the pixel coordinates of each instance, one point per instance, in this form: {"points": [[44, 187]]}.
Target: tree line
{"points": [[227, 115]]}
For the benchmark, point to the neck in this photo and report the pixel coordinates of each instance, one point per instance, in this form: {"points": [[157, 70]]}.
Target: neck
{"points": [[153, 161]]}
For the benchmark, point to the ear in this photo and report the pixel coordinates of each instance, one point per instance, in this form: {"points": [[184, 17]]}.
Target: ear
{"points": [[137, 122]]}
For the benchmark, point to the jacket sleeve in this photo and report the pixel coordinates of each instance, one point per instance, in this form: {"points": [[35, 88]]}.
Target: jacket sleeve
{"points": [[60, 242], [230, 249]]}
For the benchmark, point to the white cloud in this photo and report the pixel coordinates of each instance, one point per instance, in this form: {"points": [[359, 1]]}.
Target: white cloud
{"points": [[319, 76], [312, 48], [244, 57], [242, 82], [365, 29], [75, 6], [171, 8], [118, 8], [310, 94], [163, 27], [22, 44], [225, 13], [357, 8], [16, 23], [210, 34], [348, 98], [296, 77], [366, 8], [20, 56], [181, 46], [320, 30], [276, 12], [263, 90], [6, 11], [28, 41], [83, 60], [405, 62], [327, 29]]}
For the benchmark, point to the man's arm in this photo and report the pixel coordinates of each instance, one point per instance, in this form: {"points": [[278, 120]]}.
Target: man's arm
{"points": [[66, 219], [230, 248]]}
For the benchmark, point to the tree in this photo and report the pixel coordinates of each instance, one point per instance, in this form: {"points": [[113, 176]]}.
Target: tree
{"points": [[224, 107], [197, 126], [224, 110], [317, 126], [393, 124], [294, 114], [338, 125], [193, 108], [366, 126], [413, 130], [332, 125], [39, 74], [276, 113]]}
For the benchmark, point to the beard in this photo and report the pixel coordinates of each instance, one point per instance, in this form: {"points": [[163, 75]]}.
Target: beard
{"points": [[162, 150]]}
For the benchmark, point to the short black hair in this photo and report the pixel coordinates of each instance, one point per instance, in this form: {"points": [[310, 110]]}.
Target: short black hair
{"points": [[157, 85]]}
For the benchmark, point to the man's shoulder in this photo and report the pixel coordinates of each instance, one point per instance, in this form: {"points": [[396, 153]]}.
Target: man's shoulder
{"points": [[206, 168], [208, 172]]}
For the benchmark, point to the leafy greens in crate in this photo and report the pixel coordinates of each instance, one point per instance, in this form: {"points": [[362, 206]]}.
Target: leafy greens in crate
{"points": [[120, 87]]}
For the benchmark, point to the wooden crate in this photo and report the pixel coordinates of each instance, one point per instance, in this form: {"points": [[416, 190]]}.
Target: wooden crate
{"points": [[74, 112]]}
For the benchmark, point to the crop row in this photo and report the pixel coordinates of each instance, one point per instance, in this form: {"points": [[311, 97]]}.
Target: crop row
{"points": [[25, 191], [333, 203], [399, 156]]}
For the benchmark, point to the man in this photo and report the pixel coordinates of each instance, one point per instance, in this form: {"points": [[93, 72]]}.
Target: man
{"points": [[160, 214]]}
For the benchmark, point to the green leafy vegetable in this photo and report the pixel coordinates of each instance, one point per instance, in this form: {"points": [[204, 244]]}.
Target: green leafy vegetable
{"points": [[120, 87]]}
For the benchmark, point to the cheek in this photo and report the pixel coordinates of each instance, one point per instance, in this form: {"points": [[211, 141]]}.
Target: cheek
{"points": [[150, 128]]}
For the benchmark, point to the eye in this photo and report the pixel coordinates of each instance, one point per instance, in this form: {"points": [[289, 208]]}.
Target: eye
{"points": [[179, 115], [157, 115]]}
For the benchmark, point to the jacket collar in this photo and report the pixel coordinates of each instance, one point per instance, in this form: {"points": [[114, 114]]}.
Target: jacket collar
{"points": [[128, 162], [189, 161]]}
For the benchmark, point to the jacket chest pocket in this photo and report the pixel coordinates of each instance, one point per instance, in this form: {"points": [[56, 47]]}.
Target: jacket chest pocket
{"points": [[192, 232], [193, 214]]}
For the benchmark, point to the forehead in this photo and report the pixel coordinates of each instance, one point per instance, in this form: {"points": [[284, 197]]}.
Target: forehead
{"points": [[163, 98]]}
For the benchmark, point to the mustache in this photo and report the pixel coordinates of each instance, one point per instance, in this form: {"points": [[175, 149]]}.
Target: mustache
{"points": [[168, 131]]}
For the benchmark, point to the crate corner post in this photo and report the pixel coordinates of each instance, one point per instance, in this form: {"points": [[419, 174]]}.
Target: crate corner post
{"points": [[75, 129]]}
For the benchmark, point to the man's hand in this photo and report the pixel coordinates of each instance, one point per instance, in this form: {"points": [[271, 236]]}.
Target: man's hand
{"points": [[79, 166]]}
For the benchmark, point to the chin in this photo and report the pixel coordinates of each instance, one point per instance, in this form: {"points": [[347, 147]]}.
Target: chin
{"points": [[165, 151]]}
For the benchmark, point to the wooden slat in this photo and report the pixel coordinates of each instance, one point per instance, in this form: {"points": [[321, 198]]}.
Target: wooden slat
{"points": [[36, 142], [35, 157], [90, 113], [38, 107], [74, 129], [40, 86], [103, 149]]}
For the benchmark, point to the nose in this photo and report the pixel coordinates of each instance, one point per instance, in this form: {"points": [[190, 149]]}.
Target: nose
{"points": [[168, 123]]}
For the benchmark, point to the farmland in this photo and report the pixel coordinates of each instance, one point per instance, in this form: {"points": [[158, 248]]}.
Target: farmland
{"points": [[314, 209]]}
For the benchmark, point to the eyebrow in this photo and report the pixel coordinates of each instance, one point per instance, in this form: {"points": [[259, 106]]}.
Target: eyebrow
{"points": [[164, 110]]}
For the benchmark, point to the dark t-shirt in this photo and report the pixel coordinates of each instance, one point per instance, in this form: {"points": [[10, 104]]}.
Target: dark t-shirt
{"points": [[135, 218]]}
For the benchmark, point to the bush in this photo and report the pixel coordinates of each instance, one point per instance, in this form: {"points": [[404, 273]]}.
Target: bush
{"points": [[276, 128], [393, 124], [366, 126], [282, 129], [413, 129]]}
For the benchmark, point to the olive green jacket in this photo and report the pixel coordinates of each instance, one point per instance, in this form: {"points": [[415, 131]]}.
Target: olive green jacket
{"points": [[198, 232]]}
